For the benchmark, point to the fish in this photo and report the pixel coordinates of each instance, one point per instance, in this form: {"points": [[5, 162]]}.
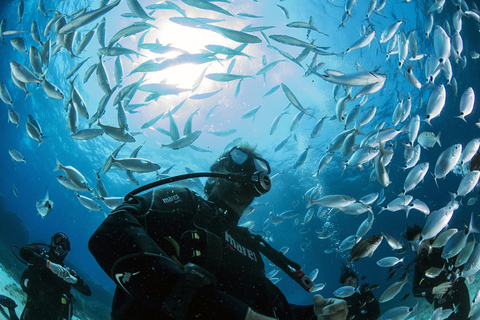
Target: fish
{"points": [[333, 201], [23, 74], [17, 156], [45, 205], [128, 31], [392, 290], [467, 102], [362, 42], [88, 203], [415, 176], [344, 292], [86, 18], [437, 221], [137, 9], [388, 262], [468, 182], [136, 164], [428, 139], [51, 90], [5, 94], [206, 5], [183, 141], [119, 134], [225, 77], [293, 100], [73, 175], [388, 33], [363, 78], [441, 44], [435, 103], [392, 242], [288, 40], [365, 248], [13, 116], [446, 161]]}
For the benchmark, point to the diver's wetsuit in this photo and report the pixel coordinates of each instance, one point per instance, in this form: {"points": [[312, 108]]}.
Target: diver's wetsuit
{"points": [[362, 306], [132, 249], [422, 286], [48, 296]]}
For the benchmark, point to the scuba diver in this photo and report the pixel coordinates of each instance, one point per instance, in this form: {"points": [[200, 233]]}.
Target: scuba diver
{"points": [[174, 255], [362, 305], [47, 281], [445, 290]]}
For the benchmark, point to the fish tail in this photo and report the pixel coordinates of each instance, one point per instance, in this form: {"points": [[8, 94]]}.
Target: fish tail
{"points": [[472, 228], [461, 117], [438, 138], [58, 167]]}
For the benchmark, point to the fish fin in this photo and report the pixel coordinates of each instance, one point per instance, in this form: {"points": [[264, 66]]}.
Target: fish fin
{"points": [[472, 228], [438, 138]]}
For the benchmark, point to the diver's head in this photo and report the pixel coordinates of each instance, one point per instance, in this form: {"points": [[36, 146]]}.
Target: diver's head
{"points": [[349, 278], [245, 162], [414, 237], [59, 246]]}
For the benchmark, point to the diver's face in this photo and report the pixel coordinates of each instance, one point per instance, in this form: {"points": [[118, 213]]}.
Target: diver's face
{"points": [[234, 192], [351, 281], [59, 249]]}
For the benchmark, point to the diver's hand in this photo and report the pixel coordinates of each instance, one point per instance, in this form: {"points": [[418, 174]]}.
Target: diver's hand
{"points": [[61, 272], [329, 309], [441, 289]]}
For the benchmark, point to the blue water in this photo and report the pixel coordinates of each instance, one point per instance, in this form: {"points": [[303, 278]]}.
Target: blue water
{"points": [[68, 215]]}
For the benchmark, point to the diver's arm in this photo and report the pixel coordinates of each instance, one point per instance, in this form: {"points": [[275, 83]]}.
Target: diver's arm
{"points": [[32, 256]]}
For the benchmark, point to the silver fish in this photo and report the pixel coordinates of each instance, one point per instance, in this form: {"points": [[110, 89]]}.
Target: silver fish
{"points": [[45, 205], [392, 290], [137, 164], [88, 203], [363, 78], [441, 42], [86, 134], [293, 100], [87, 18], [73, 175], [23, 74], [415, 176], [446, 161], [51, 90], [13, 116], [388, 33], [16, 156], [468, 182], [5, 95], [435, 103], [116, 133], [467, 102], [183, 142]]}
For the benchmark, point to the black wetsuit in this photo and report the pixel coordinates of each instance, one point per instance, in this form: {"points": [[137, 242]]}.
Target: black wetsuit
{"points": [[363, 306], [133, 247], [48, 296], [457, 296]]}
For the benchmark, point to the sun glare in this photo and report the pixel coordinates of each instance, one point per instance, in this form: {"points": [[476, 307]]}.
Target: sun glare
{"points": [[179, 41]]}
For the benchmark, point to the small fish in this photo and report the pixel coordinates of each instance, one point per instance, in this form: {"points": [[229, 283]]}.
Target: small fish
{"points": [[17, 156], [365, 248], [15, 191], [45, 205]]}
